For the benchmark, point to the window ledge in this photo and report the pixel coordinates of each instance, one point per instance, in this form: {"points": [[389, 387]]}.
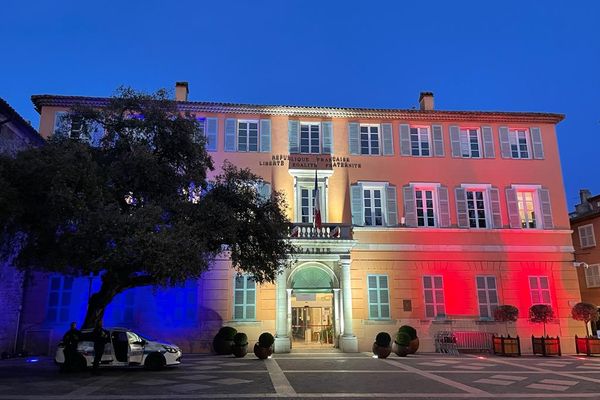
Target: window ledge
{"points": [[379, 321], [243, 322], [485, 322]]}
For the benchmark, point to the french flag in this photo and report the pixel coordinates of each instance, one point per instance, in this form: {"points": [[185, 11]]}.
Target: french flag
{"points": [[317, 206]]}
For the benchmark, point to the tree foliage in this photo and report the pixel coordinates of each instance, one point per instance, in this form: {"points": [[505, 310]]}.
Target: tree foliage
{"points": [[585, 312], [137, 208], [506, 313], [541, 313]]}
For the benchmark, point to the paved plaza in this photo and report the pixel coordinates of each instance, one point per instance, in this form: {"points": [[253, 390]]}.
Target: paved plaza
{"points": [[316, 375]]}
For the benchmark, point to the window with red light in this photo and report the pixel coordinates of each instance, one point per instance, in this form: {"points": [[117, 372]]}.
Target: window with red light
{"points": [[487, 296], [519, 143], [539, 289], [526, 201], [425, 200], [433, 287]]}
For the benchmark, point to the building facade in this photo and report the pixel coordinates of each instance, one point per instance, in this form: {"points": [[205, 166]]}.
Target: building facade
{"points": [[430, 218], [585, 224], [16, 134]]}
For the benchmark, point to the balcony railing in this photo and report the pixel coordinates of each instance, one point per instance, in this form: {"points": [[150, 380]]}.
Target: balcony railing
{"points": [[326, 231]]}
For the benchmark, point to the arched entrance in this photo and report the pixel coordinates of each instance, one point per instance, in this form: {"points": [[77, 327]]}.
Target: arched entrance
{"points": [[313, 299]]}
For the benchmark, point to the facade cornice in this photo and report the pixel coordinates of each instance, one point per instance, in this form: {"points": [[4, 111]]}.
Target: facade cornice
{"points": [[41, 101]]}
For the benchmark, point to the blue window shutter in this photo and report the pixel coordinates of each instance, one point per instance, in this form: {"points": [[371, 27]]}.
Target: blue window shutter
{"points": [[410, 211], [387, 139], [536, 141], [354, 137], [495, 205], [455, 141], [513, 208], [356, 203], [212, 129], [294, 136], [438, 140], [404, 140], [444, 212], [488, 142], [327, 129], [504, 143], [391, 206], [461, 208], [546, 208], [265, 135], [230, 133]]}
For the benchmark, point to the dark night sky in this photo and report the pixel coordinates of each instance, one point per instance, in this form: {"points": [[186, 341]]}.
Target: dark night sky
{"points": [[474, 55]]}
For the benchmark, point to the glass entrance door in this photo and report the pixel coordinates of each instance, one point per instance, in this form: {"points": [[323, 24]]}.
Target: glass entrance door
{"points": [[312, 319]]}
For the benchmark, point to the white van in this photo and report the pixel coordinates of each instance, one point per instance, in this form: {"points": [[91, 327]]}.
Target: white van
{"points": [[126, 348]]}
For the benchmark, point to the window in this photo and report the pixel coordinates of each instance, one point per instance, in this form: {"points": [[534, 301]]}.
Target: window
{"points": [[369, 139], [305, 198], [519, 143], [178, 305], [121, 309], [201, 132], [476, 200], [469, 143], [592, 276], [247, 139], [487, 296], [372, 198], [527, 210], [586, 236], [425, 206], [539, 290], [59, 299], [310, 138], [379, 299], [244, 298], [433, 286], [419, 141]]}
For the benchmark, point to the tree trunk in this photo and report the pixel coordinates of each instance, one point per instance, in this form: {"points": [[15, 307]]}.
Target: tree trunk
{"points": [[100, 300]]}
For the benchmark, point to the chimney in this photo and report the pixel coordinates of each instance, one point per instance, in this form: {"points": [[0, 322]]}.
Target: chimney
{"points": [[181, 91], [426, 101], [584, 194], [584, 206]]}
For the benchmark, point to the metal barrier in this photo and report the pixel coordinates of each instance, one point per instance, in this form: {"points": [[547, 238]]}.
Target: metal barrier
{"points": [[474, 341], [445, 342]]}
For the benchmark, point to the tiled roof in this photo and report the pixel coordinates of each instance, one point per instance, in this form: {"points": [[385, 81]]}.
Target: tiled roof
{"points": [[45, 100], [16, 118]]}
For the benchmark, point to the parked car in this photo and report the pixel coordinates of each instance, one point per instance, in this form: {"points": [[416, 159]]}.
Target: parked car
{"points": [[126, 348]]}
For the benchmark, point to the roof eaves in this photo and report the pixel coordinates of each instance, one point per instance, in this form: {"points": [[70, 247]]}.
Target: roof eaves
{"points": [[25, 125]]}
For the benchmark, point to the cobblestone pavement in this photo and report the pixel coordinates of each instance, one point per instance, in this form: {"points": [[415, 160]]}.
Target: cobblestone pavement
{"points": [[315, 375]]}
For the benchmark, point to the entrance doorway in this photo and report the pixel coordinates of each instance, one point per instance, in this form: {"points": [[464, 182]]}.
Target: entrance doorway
{"points": [[312, 320]]}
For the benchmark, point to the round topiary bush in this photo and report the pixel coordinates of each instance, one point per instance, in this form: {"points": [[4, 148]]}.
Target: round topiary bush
{"points": [[224, 340], [412, 332], [585, 312], [227, 332], [240, 339], [383, 339], [402, 338], [266, 340]]}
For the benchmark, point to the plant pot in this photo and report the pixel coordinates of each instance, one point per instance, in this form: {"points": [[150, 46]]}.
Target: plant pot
{"points": [[239, 350], [587, 345], [262, 352], [506, 346], [400, 350], [546, 346], [413, 346], [381, 351], [222, 346]]}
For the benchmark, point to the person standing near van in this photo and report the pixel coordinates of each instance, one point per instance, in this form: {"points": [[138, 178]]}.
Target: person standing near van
{"points": [[100, 337], [70, 341]]}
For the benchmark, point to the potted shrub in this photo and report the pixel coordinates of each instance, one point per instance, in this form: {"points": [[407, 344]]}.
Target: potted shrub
{"points": [[546, 346], [264, 347], [401, 344], [224, 340], [382, 345], [240, 345], [413, 346], [506, 346], [586, 312]]}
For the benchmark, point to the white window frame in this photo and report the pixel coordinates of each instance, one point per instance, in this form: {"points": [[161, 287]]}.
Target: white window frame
{"points": [[586, 240], [309, 185], [539, 291], [536, 204], [320, 133], [378, 290], [370, 144], [59, 308], [433, 187], [486, 203], [245, 304], [435, 303], [371, 187], [247, 143], [592, 276], [489, 305], [419, 141], [461, 140], [513, 140]]}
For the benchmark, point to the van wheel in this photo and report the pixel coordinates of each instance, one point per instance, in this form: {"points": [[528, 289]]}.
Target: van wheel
{"points": [[155, 361]]}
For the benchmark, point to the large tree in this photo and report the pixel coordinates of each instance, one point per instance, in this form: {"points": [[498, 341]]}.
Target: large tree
{"points": [[136, 206]]}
